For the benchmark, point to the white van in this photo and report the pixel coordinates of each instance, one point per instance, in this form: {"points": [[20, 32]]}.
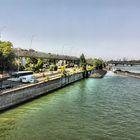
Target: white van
{"points": [[23, 76], [28, 79]]}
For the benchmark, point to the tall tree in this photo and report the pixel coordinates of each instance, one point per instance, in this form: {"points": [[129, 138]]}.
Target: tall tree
{"points": [[7, 55], [82, 60], [98, 63]]}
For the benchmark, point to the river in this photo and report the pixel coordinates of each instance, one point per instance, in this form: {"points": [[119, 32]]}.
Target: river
{"points": [[91, 109]]}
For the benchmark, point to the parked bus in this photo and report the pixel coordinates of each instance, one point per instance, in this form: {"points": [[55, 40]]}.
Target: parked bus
{"points": [[22, 76]]}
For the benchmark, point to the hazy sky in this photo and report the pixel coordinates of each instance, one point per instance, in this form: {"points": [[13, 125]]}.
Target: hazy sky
{"points": [[98, 28]]}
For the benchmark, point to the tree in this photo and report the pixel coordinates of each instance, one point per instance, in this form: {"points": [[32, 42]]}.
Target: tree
{"points": [[98, 63], [34, 64], [38, 65], [7, 56], [29, 64], [82, 60]]}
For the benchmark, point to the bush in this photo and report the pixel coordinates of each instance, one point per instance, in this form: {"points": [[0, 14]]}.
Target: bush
{"points": [[98, 63], [53, 68]]}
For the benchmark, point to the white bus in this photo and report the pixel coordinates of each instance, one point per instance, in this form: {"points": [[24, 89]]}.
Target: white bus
{"points": [[23, 76]]}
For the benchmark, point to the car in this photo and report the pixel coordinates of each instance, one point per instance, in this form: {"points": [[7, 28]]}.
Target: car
{"points": [[29, 79]]}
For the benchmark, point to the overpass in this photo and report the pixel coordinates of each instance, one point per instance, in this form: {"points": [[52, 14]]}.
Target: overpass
{"points": [[35, 54]]}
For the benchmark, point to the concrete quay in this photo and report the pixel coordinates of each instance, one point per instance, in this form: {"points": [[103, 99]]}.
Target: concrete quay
{"points": [[98, 74], [13, 97]]}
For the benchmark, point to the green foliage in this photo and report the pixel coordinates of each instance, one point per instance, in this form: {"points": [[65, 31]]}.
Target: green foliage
{"points": [[82, 60], [7, 55], [38, 65], [34, 64], [63, 68], [6, 48], [29, 64], [53, 68], [98, 63], [90, 68]]}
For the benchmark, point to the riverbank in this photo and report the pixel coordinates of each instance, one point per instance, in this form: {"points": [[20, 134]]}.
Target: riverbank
{"points": [[127, 73], [19, 95], [98, 74]]}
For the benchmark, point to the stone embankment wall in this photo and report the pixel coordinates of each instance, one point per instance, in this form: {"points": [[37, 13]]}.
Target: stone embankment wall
{"points": [[19, 95], [98, 74]]}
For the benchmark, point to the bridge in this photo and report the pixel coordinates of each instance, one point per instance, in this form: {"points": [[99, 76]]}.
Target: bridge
{"points": [[130, 63], [36, 54]]}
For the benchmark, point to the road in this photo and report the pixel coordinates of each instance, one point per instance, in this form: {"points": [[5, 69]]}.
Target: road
{"points": [[8, 85]]}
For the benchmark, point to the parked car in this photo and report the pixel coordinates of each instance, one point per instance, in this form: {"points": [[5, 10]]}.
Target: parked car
{"points": [[29, 79]]}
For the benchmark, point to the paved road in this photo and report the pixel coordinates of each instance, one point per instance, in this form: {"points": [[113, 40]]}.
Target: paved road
{"points": [[7, 84]]}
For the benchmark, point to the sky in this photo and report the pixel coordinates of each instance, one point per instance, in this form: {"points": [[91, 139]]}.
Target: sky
{"points": [[108, 29]]}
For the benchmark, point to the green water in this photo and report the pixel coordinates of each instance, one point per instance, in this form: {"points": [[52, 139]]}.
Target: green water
{"points": [[91, 109]]}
